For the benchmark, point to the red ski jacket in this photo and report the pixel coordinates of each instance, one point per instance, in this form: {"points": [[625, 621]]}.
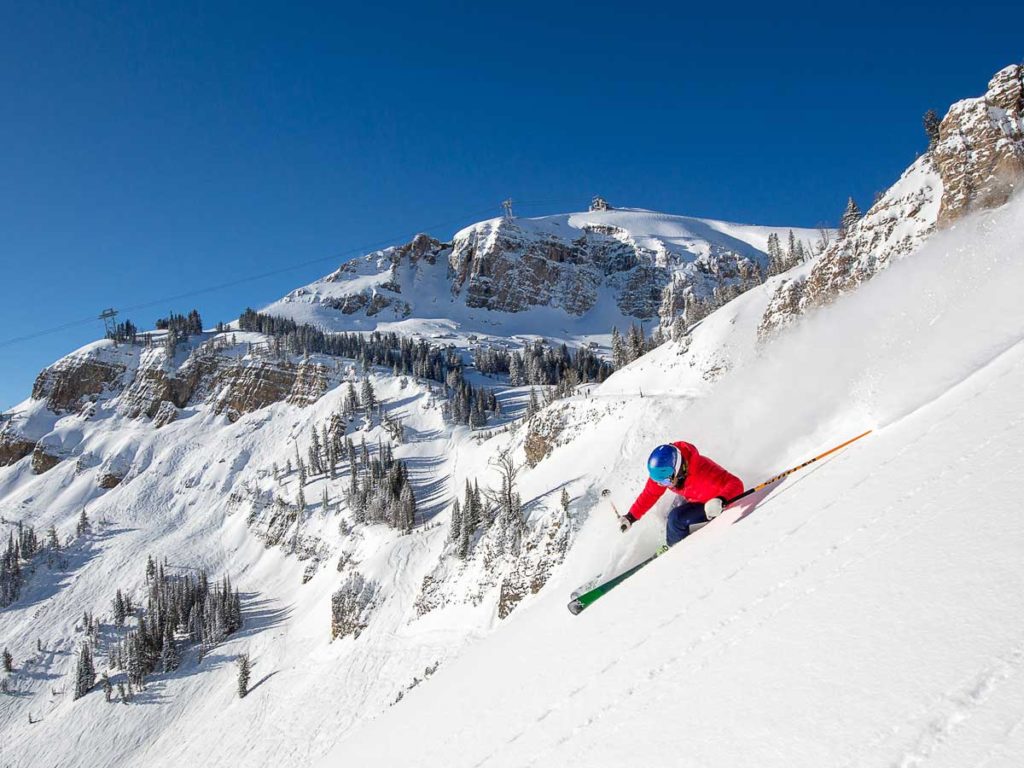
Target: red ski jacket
{"points": [[704, 480]]}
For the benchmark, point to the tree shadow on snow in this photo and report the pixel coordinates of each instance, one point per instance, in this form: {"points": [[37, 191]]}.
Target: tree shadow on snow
{"points": [[431, 491], [260, 615], [49, 573], [263, 680]]}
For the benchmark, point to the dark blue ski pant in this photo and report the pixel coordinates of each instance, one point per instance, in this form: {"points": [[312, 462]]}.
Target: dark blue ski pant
{"points": [[680, 518]]}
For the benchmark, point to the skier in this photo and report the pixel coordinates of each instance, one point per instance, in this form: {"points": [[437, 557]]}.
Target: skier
{"points": [[702, 485]]}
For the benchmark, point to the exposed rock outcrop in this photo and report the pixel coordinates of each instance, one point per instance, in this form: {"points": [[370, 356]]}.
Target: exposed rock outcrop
{"points": [[383, 293], [66, 383], [110, 480], [156, 383], [977, 163], [165, 414], [501, 267], [310, 384], [250, 385], [352, 606], [505, 266], [980, 152], [13, 446], [43, 459]]}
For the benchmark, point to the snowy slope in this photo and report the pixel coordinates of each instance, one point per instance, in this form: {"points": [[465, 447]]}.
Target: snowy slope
{"points": [[865, 612], [839, 574]]}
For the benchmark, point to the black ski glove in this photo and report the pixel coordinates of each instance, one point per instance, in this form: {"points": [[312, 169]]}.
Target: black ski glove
{"points": [[625, 521]]}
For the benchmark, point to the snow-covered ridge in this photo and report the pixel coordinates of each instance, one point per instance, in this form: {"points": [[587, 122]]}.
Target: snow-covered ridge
{"points": [[570, 277]]}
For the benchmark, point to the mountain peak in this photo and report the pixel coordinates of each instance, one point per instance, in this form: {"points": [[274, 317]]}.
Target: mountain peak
{"points": [[571, 274]]}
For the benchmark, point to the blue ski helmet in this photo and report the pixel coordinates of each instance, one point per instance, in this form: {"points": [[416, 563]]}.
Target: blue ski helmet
{"points": [[664, 463]]}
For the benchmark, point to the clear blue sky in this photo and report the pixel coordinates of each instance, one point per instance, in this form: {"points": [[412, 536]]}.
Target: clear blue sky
{"points": [[149, 149]]}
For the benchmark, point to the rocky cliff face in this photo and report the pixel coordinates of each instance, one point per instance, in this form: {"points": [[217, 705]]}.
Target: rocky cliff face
{"points": [[14, 446], [980, 152], [501, 266], [977, 163], [249, 385], [157, 383], [512, 266], [74, 380], [612, 265], [143, 382]]}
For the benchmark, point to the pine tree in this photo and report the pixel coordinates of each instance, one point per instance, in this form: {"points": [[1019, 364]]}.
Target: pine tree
{"points": [[369, 397], [851, 216], [635, 343], [455, 526], [169, 653], [171, 342], [119, 609], [85, 672], [462, 550], [121, 694], [471, 509], [792, 258], [931, 127], [478, 506], [83, 523], [564, 500], [532, 406], [620, 356], [508, 503], [8, 661], [243, 675], [776, 260], [301, 467], [315, 453], [108, 689], [407, 501], [351, 402], [515, 370]]}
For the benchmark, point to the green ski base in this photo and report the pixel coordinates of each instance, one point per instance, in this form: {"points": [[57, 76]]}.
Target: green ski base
{"points": [[580, 602]]}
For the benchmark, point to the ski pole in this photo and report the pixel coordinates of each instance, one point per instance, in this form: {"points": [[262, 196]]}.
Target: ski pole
{"points": [[781, 475]]}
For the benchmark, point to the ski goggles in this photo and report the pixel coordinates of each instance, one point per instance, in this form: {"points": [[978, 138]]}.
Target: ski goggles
{"points": [[669, 476]]}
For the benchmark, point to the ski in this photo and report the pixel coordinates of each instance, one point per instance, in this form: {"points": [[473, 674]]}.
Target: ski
{"points": [[580, 601]]}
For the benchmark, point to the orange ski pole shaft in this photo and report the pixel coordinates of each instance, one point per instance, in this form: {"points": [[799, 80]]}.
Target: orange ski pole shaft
{"points": [[788, 472]]}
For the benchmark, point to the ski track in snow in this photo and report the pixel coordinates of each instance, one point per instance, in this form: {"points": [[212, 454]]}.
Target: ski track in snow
{"points": [[959, 704]]}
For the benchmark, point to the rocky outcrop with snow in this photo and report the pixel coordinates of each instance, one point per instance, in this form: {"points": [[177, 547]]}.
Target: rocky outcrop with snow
{"points": [[977, 163], [587, 270], [980, 152], [71, 381]]}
